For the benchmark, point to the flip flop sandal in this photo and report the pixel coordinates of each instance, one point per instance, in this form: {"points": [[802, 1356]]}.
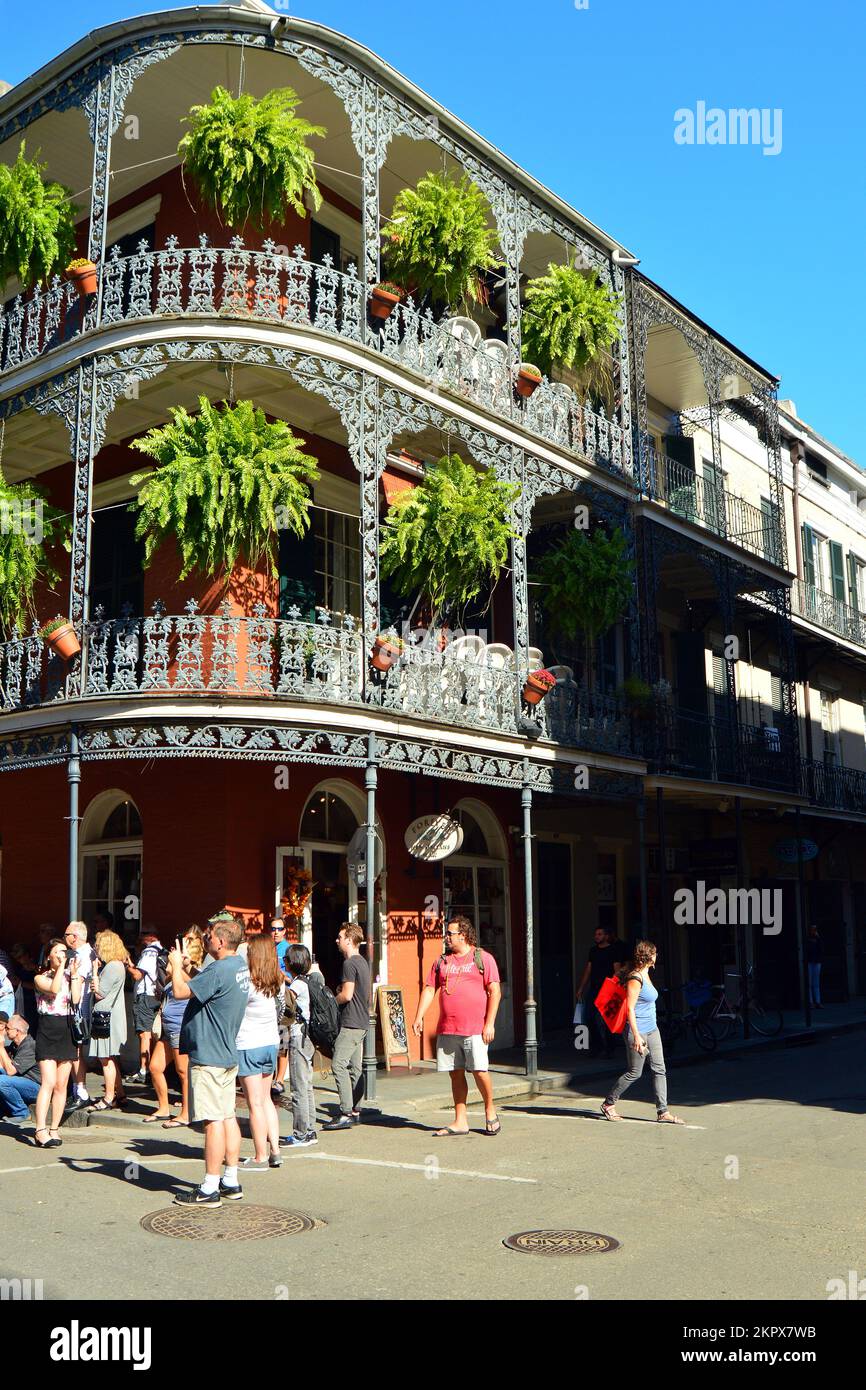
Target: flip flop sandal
{"points": [[100, 1105], [175, 1124], [450, 1133], [152, 1119], [492, 1126], [666, 1118]]}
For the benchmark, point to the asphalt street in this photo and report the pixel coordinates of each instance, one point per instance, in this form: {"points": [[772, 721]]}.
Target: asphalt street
{"points": [[759, 1196]]}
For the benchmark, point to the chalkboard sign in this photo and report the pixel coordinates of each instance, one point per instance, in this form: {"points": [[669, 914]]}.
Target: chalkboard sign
{"points": [[392, 1018]]}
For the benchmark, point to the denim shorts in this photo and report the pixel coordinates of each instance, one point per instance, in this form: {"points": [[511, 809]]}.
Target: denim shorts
{"points": [[256, 1061]]}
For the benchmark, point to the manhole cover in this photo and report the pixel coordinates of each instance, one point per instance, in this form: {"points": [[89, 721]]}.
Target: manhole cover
{"points": [[561, 1243], [228, 1222]]}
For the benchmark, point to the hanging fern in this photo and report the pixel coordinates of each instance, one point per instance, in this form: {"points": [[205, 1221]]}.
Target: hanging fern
{"points": [[226, 480], [250, 159], [587, 580], [570, 319], [438, 241], [449, 536], [28, 527], [37, 235]]}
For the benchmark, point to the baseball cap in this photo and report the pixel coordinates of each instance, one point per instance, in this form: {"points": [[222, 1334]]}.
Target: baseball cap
{"points": [[220, 918]]}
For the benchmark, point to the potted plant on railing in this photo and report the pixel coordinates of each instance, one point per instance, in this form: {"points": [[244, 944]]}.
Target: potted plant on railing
{"points": [[587, 580], [226, 482], [448, 538], [384, 298], [82, 274], [570, 320], [30, 529], [60, 637], [637, 697], [386, 651], [438, 243], [250, 158], [537, 685], [527, 379], [37, 231]]}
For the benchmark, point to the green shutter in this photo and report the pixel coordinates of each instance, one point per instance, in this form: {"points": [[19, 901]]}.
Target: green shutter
{"points": [[837, 569], [852, 582], [808, 554]]}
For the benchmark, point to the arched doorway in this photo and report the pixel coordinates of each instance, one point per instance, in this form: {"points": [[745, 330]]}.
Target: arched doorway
{"points": [[111, 863], [475, 883]]}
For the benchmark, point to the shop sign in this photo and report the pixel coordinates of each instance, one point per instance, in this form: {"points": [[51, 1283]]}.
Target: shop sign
{"points": [[433, 837], [786, 850]]}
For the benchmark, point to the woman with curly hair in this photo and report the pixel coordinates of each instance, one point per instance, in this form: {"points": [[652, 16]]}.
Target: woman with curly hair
{"points": [[642, 1037], [108, 1020], [167, 1047]]}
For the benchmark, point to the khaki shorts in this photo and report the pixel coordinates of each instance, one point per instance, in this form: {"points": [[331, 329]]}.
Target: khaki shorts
{"points": [[212, 1093], [461, 1054]]}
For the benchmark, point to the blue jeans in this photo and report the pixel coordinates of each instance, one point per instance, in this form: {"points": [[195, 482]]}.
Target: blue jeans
{"points": [[16, 1094]]}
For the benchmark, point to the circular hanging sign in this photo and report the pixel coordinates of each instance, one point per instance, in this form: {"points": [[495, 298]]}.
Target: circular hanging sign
{"points": [[786, 850], [433, 837]]}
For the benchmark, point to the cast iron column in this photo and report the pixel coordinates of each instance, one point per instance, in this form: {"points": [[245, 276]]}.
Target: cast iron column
{"points": [[530, 1006], [741, 927], [802, 915], [73, 775], [641, 840], [370, 782]]}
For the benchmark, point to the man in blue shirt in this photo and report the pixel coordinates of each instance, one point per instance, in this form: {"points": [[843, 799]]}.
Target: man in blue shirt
{"points": [[217, 1003]]}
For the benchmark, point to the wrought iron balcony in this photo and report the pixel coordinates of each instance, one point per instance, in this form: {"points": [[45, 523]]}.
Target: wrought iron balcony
{"points": [[836, 788], [271, 288], [828, 612], [289, 659], [724, 750], [709, 505]]}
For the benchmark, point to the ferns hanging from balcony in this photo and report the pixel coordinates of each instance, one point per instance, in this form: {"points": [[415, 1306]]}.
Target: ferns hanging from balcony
{"points": [[226, 481], [37, 236], [586, 580], [437, 240], [28, 527], [570, 320], [250, 159], [449, 536]]}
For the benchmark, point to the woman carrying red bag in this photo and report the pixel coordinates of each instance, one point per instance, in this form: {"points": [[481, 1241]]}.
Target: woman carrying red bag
{"points": [[642, 1037]]}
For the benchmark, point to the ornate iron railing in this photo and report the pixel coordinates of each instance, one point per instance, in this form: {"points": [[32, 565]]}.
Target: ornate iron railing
{"points": [[708, 504], [828, 612], [723, 750], [289, 658], [270, 287], [836, 788]]}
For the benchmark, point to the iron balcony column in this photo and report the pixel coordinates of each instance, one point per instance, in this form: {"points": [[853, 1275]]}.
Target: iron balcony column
{"points": [[802, 920], [370, 782], [73, 776], [531, 1046]]}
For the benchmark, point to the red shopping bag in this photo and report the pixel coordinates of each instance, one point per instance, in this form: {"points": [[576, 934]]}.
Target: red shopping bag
{"points": [[612, 1003]]}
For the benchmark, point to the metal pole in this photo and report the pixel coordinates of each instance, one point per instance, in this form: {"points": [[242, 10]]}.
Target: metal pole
{"points": [[663, 884], [803, 919], [531, 1046], [370, 782], [73, 775], [741, 926], [641, 840]]}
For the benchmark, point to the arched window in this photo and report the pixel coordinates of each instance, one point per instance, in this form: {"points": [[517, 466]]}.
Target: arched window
{"points": [[111, 859], [327, 817]]}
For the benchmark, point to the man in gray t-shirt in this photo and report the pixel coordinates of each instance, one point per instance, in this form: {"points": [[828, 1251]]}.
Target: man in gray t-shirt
{"points": [[353, 998]]}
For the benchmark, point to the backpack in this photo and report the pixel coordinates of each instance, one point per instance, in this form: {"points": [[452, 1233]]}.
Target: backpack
{"points": [[161, 971], [441, 963], [324, 1021]]}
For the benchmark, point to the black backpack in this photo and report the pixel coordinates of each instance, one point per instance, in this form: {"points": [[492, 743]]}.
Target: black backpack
{"points": [[324, 1021], [161, 971]]}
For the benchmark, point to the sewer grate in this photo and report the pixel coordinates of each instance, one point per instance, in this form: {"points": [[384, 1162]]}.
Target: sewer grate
{"points": [[561, 1243], [229, 1222]]}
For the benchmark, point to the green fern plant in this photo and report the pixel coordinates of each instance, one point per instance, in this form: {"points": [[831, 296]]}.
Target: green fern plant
{"points": [[587, 581], [226, 481], [250, 159], [437, 240], [570, 319], [448, 537], [37, 234], [26, 535]]}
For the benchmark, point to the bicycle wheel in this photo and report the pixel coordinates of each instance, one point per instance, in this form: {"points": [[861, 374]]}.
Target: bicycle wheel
{"points": [[722, 1026], [767, 1022], [704, 1035]]}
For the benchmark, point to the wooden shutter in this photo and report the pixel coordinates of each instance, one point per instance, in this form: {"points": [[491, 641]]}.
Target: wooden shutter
{"points": [[837, 570], [808, 554], [853, 598]]}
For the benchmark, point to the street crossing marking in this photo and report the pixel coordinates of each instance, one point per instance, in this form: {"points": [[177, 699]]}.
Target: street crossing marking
{"points": [[416, 1167]]}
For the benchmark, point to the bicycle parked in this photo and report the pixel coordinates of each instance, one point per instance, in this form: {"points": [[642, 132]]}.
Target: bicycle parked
{"points": [[723, 1016], [674, 1026]]}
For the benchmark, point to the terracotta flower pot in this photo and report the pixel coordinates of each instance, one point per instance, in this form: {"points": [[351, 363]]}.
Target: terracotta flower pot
{"points": [[384, 654], [525, 382], [84, 279], [535, 690], [63, 642], [382, 302]]}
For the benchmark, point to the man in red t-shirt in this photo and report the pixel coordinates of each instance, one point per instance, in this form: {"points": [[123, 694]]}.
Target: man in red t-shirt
{"points": [[468, 1000]]}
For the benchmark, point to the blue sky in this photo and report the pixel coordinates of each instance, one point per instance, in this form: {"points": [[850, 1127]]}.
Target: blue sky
{"points": [[766, 248]]}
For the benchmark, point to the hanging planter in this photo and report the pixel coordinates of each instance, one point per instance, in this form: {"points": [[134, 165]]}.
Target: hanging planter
{"points": [[386, 651], [538, 684], [384, 299], [37, 222], [82, 274], [59, 636], [527, 379]]}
